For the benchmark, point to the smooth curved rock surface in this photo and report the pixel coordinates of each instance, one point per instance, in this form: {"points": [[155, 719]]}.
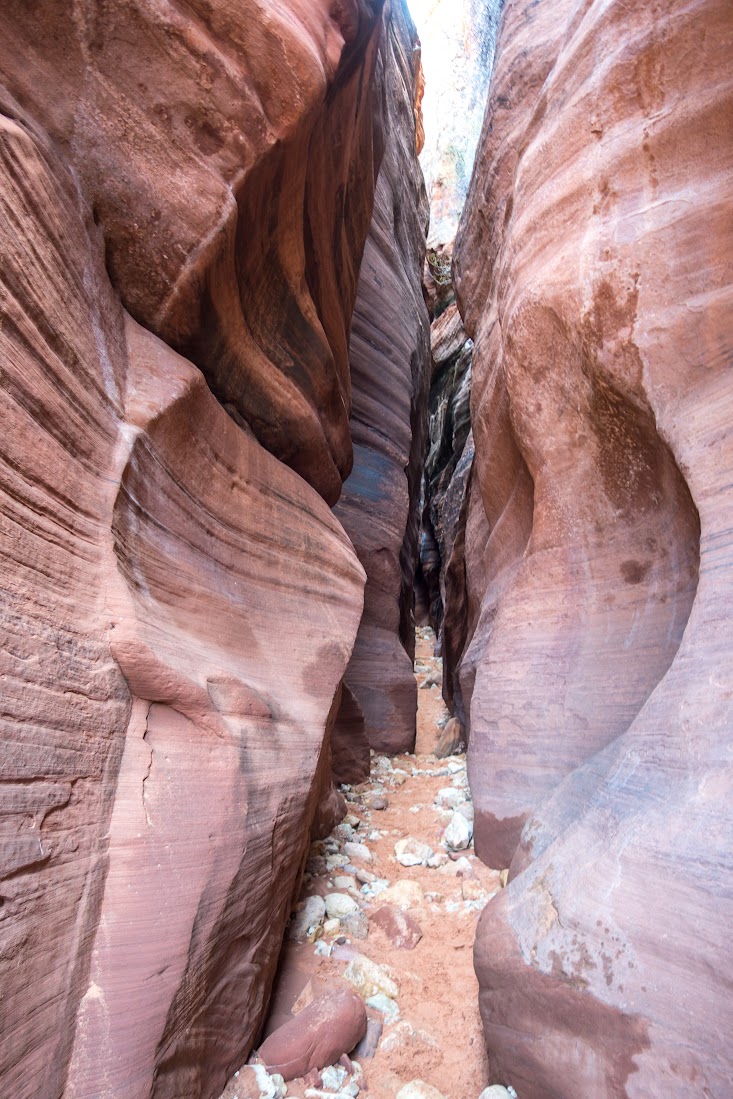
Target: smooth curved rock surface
{"points": [[229, 153], [593, 267], [390, 366], [178, 611], [318, 1035]]}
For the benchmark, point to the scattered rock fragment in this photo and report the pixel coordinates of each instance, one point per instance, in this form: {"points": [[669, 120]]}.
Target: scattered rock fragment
{"points": [[412, 852], [329, 1027], [385, 1005], [405, 894], [339, 905], [451, 739], [377, 801], [333, 1077], [459, 833], [355, 925], [367, 1047], [357, 852], [449, 797], [496, 1091], [306, 922], [368, 978], [401, 929]]}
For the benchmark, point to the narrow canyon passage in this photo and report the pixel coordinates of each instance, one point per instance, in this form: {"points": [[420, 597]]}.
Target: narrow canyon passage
{"points": [[366, 540], [403, 891]]}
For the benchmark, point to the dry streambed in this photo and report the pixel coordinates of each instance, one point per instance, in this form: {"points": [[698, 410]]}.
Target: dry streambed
{"points": [[376, 993]]}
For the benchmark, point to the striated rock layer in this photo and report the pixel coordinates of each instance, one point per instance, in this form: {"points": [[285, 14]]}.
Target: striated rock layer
{"points": [[390, 366], [179, 606], [229, 154], [178, 610], [594, 271]]}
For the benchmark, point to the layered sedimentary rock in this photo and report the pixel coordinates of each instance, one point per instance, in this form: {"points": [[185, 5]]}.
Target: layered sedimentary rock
{"points": [[157, 662], [594, 272], [230, 156], [390, 368], [179, 606]]}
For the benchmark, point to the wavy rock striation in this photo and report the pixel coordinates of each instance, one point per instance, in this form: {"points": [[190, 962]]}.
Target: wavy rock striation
{"points": [[230, 158], [593, 267], [390, 366], [179, 606]]}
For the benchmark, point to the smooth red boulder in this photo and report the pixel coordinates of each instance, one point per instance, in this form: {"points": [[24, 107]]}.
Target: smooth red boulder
{"points": [[318, 1035]]}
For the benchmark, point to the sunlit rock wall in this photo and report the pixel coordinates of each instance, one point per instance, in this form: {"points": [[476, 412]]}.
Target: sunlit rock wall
{"points": [[593, 267], [458, 39]]}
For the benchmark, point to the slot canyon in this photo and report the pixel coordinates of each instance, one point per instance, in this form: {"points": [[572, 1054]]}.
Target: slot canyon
{"points": [[366, 530]]}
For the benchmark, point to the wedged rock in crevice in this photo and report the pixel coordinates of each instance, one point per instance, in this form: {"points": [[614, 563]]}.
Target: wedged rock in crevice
{"points": [[230, 157], [350, 754], [390, 365], [602, 412]]}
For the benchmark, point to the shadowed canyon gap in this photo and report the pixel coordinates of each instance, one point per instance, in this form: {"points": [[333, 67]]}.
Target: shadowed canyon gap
{"points": [[238, 395]]}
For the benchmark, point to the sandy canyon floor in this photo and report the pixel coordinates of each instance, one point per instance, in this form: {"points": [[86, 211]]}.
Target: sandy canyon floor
{"points": [[429, 1029]]}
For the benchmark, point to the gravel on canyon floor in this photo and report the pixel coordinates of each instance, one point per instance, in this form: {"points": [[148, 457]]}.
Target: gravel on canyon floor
{"points": [[388, 909]]}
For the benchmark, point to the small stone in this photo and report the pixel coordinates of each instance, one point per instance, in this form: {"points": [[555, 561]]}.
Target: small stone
{"points": [[365, 877], [339, 905], [458, 834], [404, 894], [400, 928], [342, 882], [352, 820], [496, 1091], [333, 1077], [356, 925], [437, 861], [368, 1045], [455, 766], [382, 763], [334, 862], [357, 852], [377, 801], [305, 922], [343, 832], [399, 780], [332, 927], [368, 978], [466, 810], [323, 950], [385, 1005], [449, 797], [417, 1089], [411, 852], [504, 878]]}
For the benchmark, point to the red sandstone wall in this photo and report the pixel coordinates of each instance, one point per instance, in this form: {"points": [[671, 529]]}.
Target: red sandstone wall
{"points": [[594, 271]]}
